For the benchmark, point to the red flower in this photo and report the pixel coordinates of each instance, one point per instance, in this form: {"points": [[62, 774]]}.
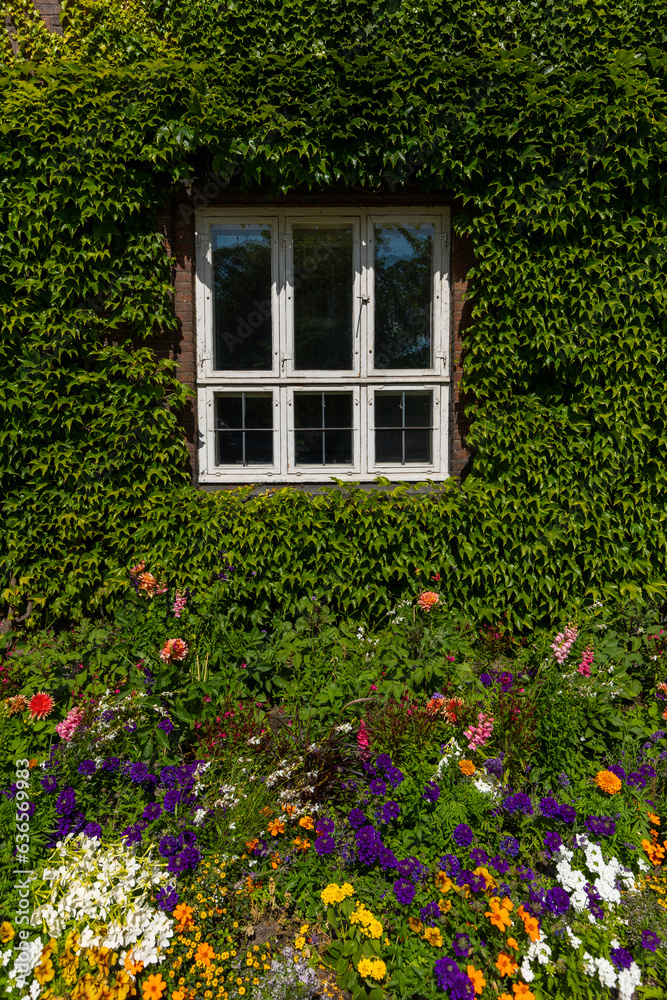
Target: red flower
{"points": [[41, 705]]}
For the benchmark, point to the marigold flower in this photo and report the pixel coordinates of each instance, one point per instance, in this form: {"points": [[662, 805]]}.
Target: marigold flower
{"points": [[204, 954], [522, 992], [433, 936], [445, 905], [428, 599], [154, 987], [467, 767], [41, 705], [505, 964], [307, 823], [505, 996], [476, 977], [252, 844], [275, 827], [608, 782], [654, 819], [173, 649], [289, 809], [7, 932], [301, 843]]}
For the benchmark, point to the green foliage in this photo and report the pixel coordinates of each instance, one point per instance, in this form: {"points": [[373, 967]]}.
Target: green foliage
{"points": [[546, 126]]}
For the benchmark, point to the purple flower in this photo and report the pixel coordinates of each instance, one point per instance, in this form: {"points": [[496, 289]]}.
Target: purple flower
{"points": [[369, 844], [552, 841], [431, 792], [384, 761], [603, 826], [189, 838], [494, 766], [477, 883], [429, 914], [525, 874], [325, 844], [138, 773], [647, 770], [567, 814], [518, 803], [650, 940], [451, 980], [637, 779], [93, 830], [499, 864], [187, 860], [557, 900], [356, 818], [167, 899], [486, 679], [461, 945], [325, 826], [404, 891], [659, 734], [506, 681], [169, 775], [450, 863], [563, 780], [377, 786], [66, 801], [594, 902], [169, 845], [386, 858], [621, 958], [549, 807], [394, 776], [390, 810], [110, 764], [617, 770], [132, 833], [87, 767], [462, 835], [166, 725], [479, 857], [171, 798], [510, 845], [108, 715], [152, 811], [50, 784], [261, 849]]}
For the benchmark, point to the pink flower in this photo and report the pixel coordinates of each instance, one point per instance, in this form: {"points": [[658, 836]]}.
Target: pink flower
{"points": [[584, 667], [179, 604], [363, 742], [480, 734], [41, 705], [428, 599], [69, 725], [173, 649], [563, 643]]}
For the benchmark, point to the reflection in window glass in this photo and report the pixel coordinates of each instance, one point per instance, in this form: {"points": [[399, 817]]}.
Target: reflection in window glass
{"points": [[323, 428], [323, 286], [244, 429], [403, 428], [242, 297], [403, 287]]}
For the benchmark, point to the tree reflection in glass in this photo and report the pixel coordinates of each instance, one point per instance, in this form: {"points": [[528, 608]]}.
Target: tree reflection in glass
{"points": [[323, 284], [403, 288], [242, 296]]}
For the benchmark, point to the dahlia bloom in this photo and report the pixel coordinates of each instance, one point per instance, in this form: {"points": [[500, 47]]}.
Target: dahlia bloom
{"points": [[173, 649], [41, 705], [70, 724], [428, 599], [452, 709]]}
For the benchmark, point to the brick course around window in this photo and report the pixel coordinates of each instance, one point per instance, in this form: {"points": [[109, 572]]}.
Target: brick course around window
{"points": [[176, 222]]}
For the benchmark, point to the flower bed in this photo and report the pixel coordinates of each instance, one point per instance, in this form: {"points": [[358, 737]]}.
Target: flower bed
{"points": [[208, 807]]}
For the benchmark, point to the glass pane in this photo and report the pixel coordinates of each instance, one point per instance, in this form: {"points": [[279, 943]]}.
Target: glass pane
{"points": [[229, 448], [388, 446], [259, 411], [403, 287], [259, 447], [323, 286], [308, 447], [388, 409], [308, 409], [338, 409], [418, 409], [228, 411], [242, 297], [338, 447], [418, 446]]}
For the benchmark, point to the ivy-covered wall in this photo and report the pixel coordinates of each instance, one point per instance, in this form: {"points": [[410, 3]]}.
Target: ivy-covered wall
{"points": [[545, 123]]}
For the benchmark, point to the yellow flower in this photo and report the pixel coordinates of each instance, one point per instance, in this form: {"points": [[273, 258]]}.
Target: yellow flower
{"points": [[302, 930], [608, 782], [372, 968], [7, 932], [488, 877], [433, 936], [299, 943], [443, 882]]}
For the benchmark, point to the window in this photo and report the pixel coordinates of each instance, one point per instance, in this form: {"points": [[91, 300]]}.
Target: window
{"points": [[322, 345]]}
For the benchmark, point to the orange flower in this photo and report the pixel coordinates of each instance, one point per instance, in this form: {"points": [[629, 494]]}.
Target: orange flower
{"points": [[266, 811], [513, 943], [205, 954], [183, 914], [608, 782], [467, 767], [154, 987], [506, 965], [275, 860], [654, 851], [427, 600], [173, 649], [451, 709], [521, 992], [654, 819], [301, 844], [275, 827], [252, 844], [507, 903], [532, 928], [476, 978], [443, 882], [289, 809], [131, 966], [505, 996], [307, 823], [498, 915]]}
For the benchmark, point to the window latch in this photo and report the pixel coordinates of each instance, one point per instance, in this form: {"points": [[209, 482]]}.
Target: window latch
{"points": [[285, 356]]}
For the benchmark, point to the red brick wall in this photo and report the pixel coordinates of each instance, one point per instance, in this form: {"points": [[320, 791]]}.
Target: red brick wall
{"points": [[176, 222], [50, 11]]}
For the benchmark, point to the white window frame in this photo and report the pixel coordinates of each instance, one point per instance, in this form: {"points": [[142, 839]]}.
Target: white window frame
{"points": [[284, 381]]}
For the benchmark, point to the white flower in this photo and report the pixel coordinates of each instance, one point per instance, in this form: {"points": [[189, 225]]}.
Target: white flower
{"points": [[574, 940], [589, 964], [526, 971], [628, 981], [198, 818], [539, 950], [606, 972]]}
